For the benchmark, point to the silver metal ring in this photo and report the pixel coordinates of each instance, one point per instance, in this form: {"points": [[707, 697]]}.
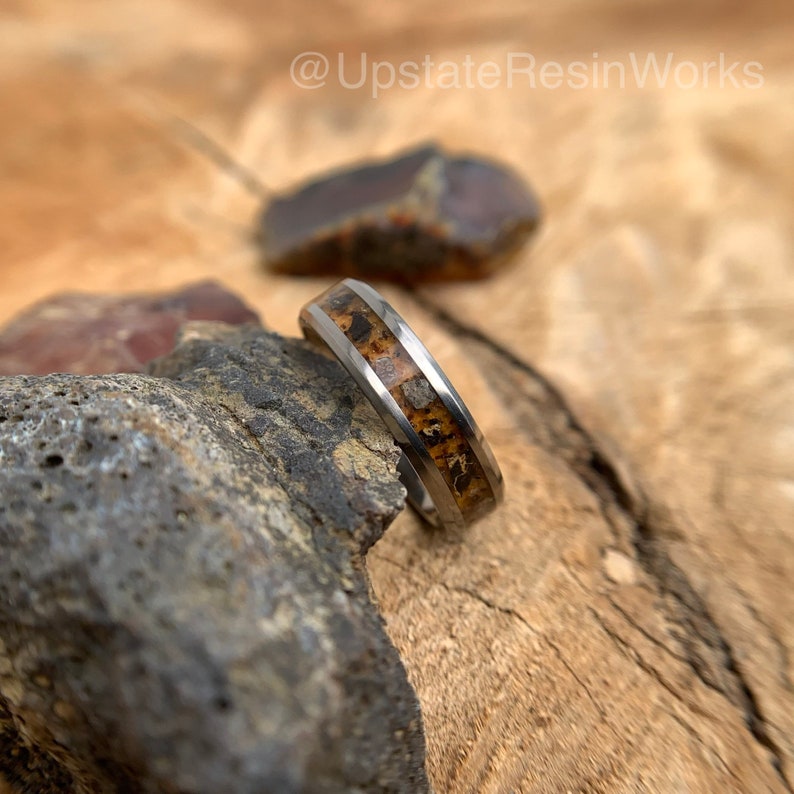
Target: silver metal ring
{"points": [[447, 467]]}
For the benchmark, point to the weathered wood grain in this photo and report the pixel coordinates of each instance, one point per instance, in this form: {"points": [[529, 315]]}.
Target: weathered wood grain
{"points": [[626, 622]]}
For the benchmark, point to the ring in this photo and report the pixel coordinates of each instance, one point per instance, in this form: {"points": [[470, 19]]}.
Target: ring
{"points": [[447, 467]]}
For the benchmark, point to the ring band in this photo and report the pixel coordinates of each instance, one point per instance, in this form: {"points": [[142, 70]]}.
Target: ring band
{"points": [[447, 467]]}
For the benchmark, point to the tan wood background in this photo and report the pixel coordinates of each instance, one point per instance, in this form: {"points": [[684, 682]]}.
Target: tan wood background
{"points": [[575, 641]]}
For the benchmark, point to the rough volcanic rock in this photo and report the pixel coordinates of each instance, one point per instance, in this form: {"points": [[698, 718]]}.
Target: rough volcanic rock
{"points": [[89, 334], [183, 601]]}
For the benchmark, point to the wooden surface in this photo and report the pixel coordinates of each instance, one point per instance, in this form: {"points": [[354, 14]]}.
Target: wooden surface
{"points": [[626, 622]]}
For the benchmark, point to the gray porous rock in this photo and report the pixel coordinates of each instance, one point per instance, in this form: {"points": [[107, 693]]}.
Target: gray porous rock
{"points": [[184, 605]]}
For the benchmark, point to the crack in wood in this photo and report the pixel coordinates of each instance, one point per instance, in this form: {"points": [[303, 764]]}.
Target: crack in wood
{"points": [[513, 613], [698, 739], [645, 633], [567, 665], [200, 142], [631, 653], [780, 647], [693, 617], [549, 421]]}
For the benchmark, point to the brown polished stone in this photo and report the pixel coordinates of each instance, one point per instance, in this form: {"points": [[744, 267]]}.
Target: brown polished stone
{"points": [[422, 216]]}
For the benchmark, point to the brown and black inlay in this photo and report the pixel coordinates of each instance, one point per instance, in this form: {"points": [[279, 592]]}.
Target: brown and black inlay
{"points": [[444, 440]]}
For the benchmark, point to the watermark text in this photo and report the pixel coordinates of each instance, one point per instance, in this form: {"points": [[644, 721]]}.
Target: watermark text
{"points": [[522, 70]]}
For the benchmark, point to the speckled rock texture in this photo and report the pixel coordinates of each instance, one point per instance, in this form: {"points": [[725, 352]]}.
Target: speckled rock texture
{"points": [[88, 334], [184, 605]]}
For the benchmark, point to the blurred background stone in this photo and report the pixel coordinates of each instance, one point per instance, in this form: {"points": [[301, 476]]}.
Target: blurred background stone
{"points": [[423, 215]]}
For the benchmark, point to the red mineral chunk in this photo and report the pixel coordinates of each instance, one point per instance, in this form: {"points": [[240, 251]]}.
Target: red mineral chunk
{"points": [[92, 334]]}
